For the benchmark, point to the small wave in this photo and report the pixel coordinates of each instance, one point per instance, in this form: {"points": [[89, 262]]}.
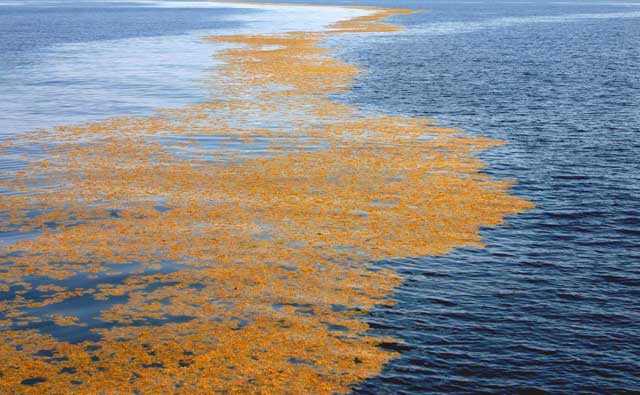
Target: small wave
{"points": [[620, 280]]}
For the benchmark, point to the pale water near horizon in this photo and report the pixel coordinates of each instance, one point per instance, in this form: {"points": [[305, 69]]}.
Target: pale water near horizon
{"points": [[73, 62], [552, 304]]}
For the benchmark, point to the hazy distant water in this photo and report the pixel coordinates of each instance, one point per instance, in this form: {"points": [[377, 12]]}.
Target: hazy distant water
{"points": [[552, 305], [65, 62]]}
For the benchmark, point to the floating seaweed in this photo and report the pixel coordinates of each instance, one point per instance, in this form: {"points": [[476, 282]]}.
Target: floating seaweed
{"points": [[176, 255]]}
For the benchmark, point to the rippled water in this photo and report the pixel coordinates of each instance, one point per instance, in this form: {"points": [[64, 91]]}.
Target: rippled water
{"points": [[552, 304]]}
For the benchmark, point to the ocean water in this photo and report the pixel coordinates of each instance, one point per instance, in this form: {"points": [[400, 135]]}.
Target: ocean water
{"points": [[552, 304], [66, 62]]}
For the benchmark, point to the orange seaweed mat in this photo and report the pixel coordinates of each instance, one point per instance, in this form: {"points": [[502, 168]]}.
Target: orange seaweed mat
{"points": [[236, 267]]}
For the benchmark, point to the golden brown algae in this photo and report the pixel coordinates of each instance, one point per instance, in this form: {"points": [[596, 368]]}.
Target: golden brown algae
{"points": [[226, 247]]}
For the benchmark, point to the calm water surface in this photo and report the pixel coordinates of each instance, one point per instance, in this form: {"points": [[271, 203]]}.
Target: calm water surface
{"points": [[552, 305], [65, 62]]}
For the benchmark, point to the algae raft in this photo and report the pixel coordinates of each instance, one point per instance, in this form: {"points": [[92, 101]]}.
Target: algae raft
{"points": [[228, 247]]}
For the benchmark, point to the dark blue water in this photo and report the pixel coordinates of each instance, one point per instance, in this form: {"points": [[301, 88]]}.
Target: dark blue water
{"points": [[552, 305]]}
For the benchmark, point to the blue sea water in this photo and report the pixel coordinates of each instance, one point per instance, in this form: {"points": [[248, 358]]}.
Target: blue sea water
{"points": [[552, 304]]}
